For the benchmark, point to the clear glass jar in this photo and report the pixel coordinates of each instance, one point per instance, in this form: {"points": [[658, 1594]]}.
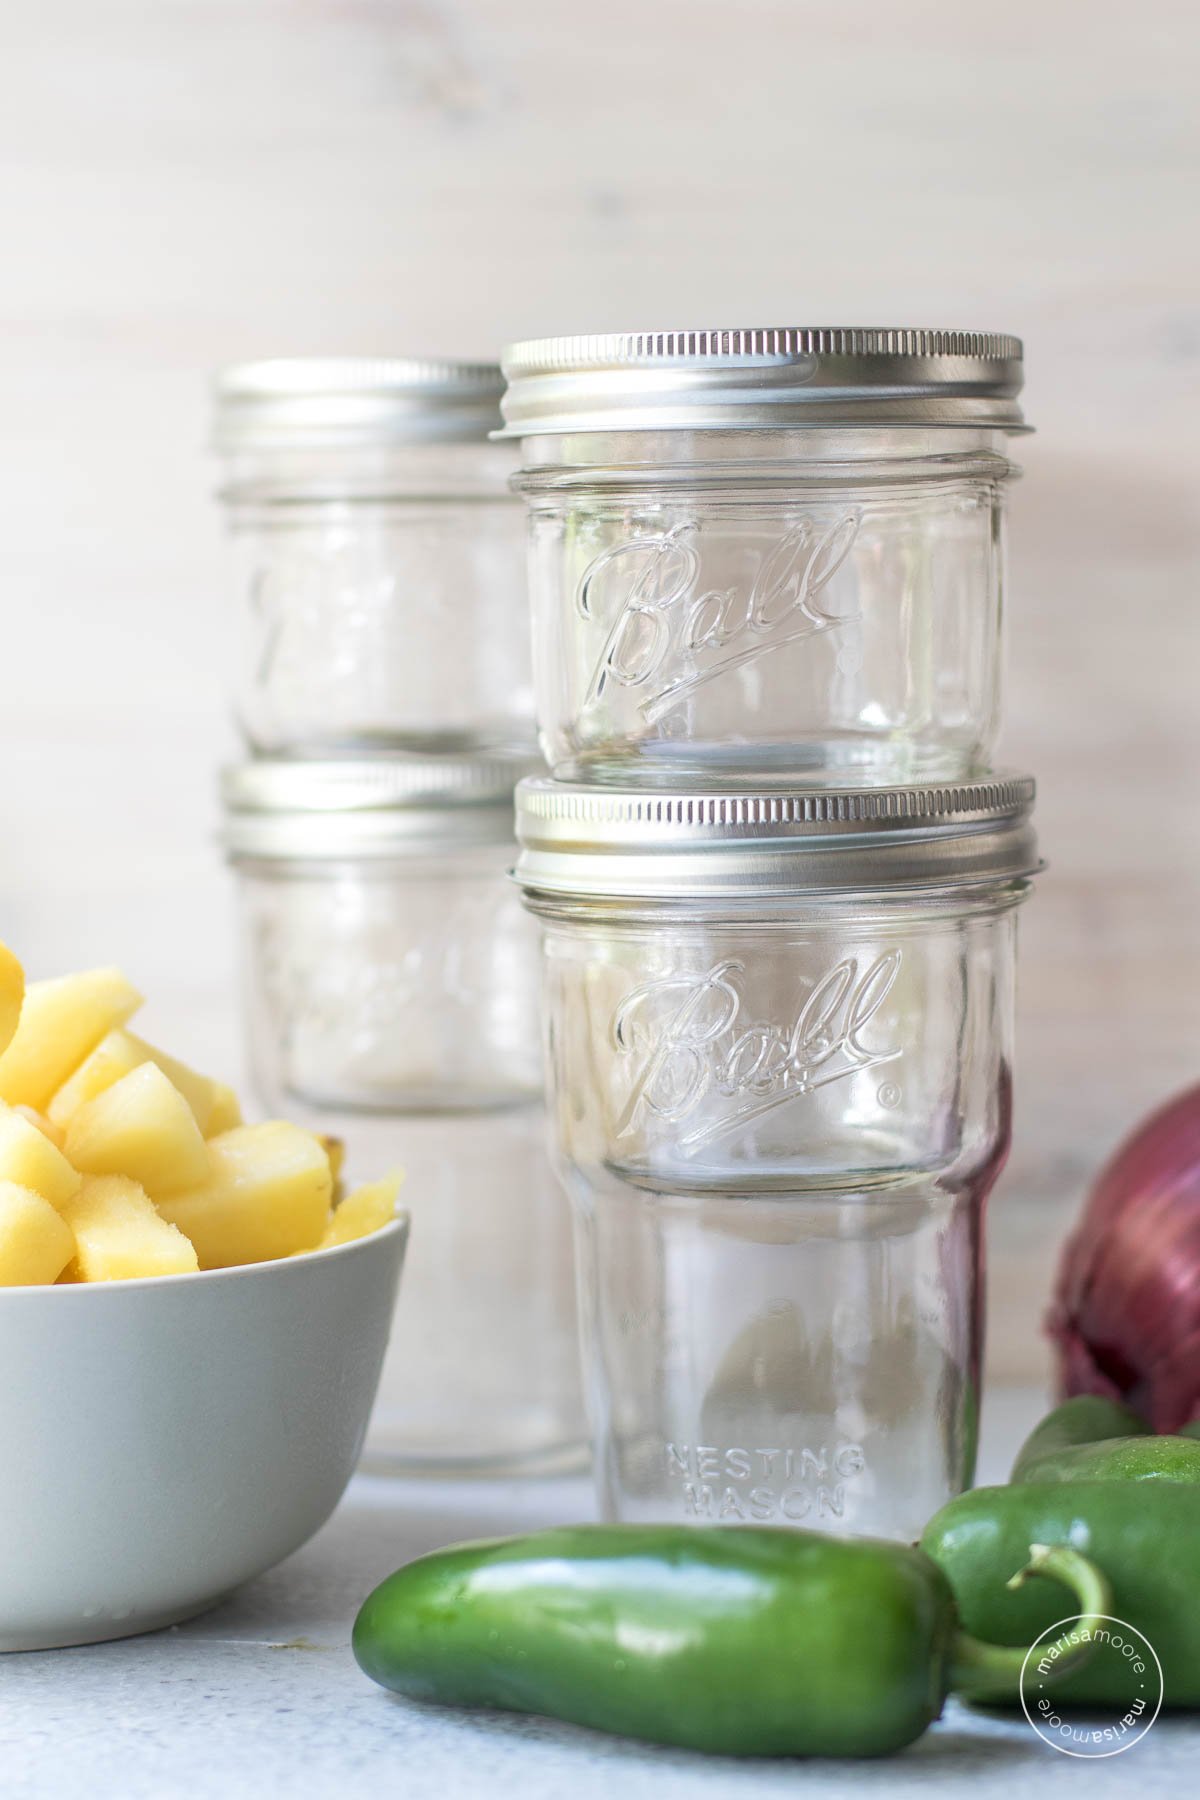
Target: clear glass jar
{"points": [[379, 558], [390, 987], [766, 554], [779, 1047]]}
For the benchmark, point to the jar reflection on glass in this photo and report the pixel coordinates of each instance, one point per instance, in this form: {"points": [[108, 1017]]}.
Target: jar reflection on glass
{"points": [[758, 555], [778, 1112], [391, 999], [378, 558]]}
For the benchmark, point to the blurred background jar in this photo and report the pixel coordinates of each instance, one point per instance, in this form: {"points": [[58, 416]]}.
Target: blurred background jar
{"points": [[390, 981], [766, 554], [779, 1036], [379, 557]]}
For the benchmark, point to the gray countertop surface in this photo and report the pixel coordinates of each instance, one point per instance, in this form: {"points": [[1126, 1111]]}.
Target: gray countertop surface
{"points": [[262, 1696]]}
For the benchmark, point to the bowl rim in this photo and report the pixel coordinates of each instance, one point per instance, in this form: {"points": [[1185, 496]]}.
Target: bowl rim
{"points": [[397, 1227]]}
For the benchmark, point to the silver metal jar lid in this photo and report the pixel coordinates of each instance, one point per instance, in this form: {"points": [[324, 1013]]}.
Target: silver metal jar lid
{"points": [[585, 842], [276, 809], [304, 403], [783, 378]]}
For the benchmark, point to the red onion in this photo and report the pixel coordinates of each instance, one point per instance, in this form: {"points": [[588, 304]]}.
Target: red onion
{"points": [[1126, 1313]]}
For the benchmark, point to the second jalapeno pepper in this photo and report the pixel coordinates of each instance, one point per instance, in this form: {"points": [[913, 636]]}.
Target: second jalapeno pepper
{"points": [[1147, 1544], [1092, 1439]]}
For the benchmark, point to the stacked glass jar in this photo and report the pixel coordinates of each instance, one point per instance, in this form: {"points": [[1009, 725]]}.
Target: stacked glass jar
{"points": [[389, 971], [778, 885]]}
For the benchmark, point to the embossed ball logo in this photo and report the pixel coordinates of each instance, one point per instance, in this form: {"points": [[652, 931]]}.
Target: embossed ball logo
{"points": [[692, 1055], [1090, 1728], [664, 633]]}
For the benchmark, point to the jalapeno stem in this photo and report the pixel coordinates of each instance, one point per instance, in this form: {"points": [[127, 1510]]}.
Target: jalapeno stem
{"points": [[982, 1671]]}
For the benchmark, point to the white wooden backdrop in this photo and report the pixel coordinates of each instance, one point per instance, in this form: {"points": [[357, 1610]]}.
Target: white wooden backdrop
{"points": [[184, 182]]}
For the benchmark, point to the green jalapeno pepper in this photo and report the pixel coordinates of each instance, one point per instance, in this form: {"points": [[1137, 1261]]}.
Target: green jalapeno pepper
{"points": [[1085, 1419], [1092, 1439], [739, 1640], [1147, 1545], [1119, 1459]]}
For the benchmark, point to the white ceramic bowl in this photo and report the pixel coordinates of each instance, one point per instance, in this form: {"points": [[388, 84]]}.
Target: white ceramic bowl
{"points": [[163, 1440]]}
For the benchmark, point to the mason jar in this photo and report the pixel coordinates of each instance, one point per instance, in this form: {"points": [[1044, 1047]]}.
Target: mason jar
{"points": [[390, 983], [779, 1042], [766, 554], [378, 558]]}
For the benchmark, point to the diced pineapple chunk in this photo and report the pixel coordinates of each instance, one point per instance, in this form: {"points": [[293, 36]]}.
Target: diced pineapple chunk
{"points": [[119, 1236], [30, 1159], [43, 1124], [367, 1209], [200, 1093], [141, 1127], [120, 1054], [36, 1244], [226, 1112], [267, 1195], [12, 993], [61, 1022], [113, 1057]]}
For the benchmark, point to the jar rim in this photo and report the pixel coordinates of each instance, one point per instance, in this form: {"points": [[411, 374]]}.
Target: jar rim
{"points": [[761, 910], [324, 840]]}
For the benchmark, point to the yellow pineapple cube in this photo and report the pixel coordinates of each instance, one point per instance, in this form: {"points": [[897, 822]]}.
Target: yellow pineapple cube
{"points": [[141, 1127], [226, 1112], [36, 1244], [267, 1195], [367, 1209], [114, 1056], [120, 1054], [43, 1124], [119, 1236], [12, 994], [200, 1093], [61, 1022], [31, 1160]]}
